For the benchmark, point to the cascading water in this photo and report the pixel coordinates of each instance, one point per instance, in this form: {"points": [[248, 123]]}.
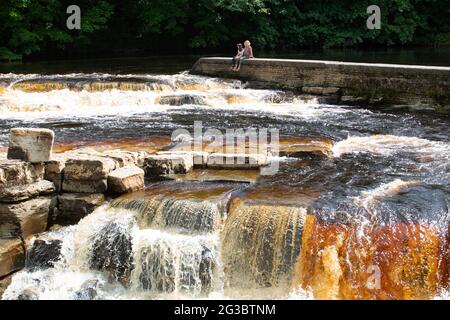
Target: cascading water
{"points": [[376, 198]]}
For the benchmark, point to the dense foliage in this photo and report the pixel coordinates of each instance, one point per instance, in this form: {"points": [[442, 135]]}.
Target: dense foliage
{"points": [[118, 26]]}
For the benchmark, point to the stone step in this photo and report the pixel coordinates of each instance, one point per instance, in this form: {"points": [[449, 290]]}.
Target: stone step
{"points": [[236, 161], [126, 179], [74, 206], [88, 168], [25, 192], [25, 218], [17, 172], [164, 164]]}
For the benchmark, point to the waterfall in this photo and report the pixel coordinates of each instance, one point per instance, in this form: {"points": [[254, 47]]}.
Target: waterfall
{"points": [[388, 243], [176, 264], [260, 244]]}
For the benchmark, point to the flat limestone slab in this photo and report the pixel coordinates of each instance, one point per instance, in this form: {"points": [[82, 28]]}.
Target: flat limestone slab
{"points": [[20, 193], [88, 168], [30, 144], [236, 161], [12, 256], [162, 164], [199, 158], [126, 179], [25, 218], [17, 172]]}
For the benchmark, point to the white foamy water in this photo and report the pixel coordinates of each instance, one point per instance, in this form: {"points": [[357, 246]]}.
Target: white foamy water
{"points": [[165, 264], [390, 144], [97, 96]]}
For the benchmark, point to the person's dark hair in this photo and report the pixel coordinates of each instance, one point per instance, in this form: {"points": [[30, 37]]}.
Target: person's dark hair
{"points": [[239, 45]]}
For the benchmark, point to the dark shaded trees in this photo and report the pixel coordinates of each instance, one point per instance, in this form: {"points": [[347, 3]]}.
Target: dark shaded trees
{"points": [[39, 26]]}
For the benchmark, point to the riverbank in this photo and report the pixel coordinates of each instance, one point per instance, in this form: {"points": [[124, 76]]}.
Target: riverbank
{"points": [[347, 83]]}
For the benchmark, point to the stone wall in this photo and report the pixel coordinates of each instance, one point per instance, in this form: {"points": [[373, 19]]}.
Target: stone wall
{"points": [[417, 87]]}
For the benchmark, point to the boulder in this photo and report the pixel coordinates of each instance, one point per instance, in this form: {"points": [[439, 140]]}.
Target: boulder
{"points": [[43, 253], [30, 144], [25, 218], [16, 172], [236, 161], [74, 206], [28, 294], [77, 186], [112, 251], [126, 179], [12, 256], [162, 164], [88, 168], [20, 193], [180, 99], [88, 290]]}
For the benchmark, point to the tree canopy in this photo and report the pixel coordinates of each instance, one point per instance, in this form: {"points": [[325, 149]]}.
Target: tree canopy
{"points": [[158, 26]]}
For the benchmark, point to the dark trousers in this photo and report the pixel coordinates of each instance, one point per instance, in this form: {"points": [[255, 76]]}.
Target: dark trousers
{"points": [[236, 62]]}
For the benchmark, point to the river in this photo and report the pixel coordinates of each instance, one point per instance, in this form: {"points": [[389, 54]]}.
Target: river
{"points": [[378, 201]]}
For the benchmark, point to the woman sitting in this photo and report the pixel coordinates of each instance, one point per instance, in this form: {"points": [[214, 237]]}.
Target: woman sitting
{"points": [[246, 54]]}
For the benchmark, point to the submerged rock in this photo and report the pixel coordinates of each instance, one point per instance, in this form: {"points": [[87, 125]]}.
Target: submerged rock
{"points": [[88, 290], [30, 144], [111, 251], [42, 254], [180, 99], [28, 294]]}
